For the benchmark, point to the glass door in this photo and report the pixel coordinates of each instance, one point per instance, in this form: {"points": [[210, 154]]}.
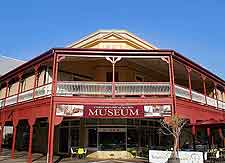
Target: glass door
{"points": [[63, 140], [112, 139]]}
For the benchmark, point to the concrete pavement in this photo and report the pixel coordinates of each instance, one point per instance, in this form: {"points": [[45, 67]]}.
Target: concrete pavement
{"points": [[21, 157]]}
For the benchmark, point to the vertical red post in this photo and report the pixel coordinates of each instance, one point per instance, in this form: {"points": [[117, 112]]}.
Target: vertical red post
{"points": [[1, 135], [221, 135], [113, 80], [30, 145], [35, 79], [215, 87], [193, 131], [209, 137], [204, 87], [6, 91], [189, 81], [14, 141], [52, 111], [172, 84], [31, 123], [18, 91]]}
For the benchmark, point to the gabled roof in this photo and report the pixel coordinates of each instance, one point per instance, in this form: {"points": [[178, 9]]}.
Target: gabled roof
{"points": [[8, 64], [112, 39]]}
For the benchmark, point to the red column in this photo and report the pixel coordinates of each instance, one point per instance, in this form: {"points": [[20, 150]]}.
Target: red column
{"points": [[30, 145], [1, 136], [172, 85], [221, 135], [113, 80], [189, 81], [193, 131], [204, 87], [6, 91], [209, 137], [31, 123], [18, 91], [52, 111], [14, 141], [35, 79]]}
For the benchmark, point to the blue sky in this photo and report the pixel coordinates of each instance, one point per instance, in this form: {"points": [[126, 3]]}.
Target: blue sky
{"points": [[195, 28]]}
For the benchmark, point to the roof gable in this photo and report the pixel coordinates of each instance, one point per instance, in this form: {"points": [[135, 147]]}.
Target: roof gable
{"points": [[112, 39]]}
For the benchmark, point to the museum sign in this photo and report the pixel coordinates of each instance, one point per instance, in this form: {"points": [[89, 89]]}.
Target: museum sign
{"points": [[113, 111]]}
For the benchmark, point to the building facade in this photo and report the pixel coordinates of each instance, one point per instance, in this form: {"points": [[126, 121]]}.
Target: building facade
{"points": [[108, 92]]}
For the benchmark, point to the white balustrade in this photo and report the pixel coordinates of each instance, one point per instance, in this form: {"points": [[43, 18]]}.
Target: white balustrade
{"points": [[83, 88], [182, 92], [135, 88], [28, 95], [1, 103], [211, 101], [220, 104], [198, 97], [43, 91], [11, 100]]}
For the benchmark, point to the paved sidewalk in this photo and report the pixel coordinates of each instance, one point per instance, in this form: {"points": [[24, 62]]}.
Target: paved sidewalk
{"points": [[21, 157]]}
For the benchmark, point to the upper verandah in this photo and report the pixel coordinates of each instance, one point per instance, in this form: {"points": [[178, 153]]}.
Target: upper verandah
{"points": [[111, 43]]}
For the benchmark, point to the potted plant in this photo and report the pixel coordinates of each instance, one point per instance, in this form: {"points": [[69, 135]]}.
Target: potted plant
{"points": [[173, 126]]}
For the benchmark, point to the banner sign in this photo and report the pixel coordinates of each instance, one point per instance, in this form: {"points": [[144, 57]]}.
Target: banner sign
{"points": [[156, 156], [114, 111], [70, 110], [157, 110]]}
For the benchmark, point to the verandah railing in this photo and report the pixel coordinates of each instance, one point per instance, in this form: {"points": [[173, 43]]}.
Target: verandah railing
{"points": [[105, 88], [27, 95], [198, 97], [77, 88]]}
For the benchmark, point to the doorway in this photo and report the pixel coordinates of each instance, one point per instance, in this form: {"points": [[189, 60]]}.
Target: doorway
{"points": [[110, 139]]}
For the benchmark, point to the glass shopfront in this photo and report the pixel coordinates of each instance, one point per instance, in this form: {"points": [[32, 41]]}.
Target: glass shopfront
{"points": [[111, 134]]}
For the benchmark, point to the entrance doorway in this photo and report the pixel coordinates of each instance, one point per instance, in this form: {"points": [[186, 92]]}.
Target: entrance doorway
{"points": [[63, 140], [112, 139]]}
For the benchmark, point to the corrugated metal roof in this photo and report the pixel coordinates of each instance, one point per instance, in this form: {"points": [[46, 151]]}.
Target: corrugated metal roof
{"points": [[7, 64]]}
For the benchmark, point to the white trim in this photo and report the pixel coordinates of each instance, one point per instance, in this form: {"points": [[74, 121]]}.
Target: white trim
{"points": [[104, 56]]}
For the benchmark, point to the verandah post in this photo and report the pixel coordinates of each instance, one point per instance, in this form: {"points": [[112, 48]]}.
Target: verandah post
{"points": [[209, 137], [52, 111], [15, 123], [193, 132], [189, 70], [1, 135], [172, 84], [31, 122]]}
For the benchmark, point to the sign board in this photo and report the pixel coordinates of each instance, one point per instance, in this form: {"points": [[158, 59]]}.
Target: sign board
{"points": [[157, 110], [112, 130], [113, 111], [70, 110], [157, 156]]}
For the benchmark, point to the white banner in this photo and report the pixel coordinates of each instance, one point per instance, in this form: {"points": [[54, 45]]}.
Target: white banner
{"points": [[70, 110], [156, 156]]}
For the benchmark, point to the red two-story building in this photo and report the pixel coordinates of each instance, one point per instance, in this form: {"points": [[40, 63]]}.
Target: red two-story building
{"points": [[108, 92]]}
